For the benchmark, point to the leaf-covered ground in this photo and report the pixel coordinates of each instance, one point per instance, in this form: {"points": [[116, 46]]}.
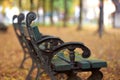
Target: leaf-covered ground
{"points": [[106, 48]]}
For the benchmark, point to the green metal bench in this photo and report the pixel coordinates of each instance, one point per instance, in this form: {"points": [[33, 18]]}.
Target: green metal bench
{"points": [[89, 63], [24, 39], [58, 57], [19, 32]]}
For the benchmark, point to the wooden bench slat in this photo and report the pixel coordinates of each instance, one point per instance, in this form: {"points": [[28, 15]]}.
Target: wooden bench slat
{"points": [[97, 63], [37, 34], [61, 65]]}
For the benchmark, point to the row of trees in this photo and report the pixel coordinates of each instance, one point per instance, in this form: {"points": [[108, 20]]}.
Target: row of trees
{"points": [[65, 6], [50, 6], [41, 3]]}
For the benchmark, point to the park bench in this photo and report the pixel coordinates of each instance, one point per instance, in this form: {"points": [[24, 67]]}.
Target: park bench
{"points": [[58, 57], [25, 40], [17, 29]]}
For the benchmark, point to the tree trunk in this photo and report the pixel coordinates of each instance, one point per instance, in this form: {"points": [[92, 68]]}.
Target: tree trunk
{"points": [[38, 5], [44, 11], [80, 17], [20, 5], [31, 5], [51, 15], [116, 14], [117, 5], [101, 22], [65, 13]]}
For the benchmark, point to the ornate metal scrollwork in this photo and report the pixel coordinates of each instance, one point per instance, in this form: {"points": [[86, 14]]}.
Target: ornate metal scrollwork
{"points": [[50, 43], [30, 17], [21, 17], [15, 16], [86, 51]]}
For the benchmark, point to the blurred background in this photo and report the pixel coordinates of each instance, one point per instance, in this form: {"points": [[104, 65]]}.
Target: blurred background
{"points": [[58, 11], [93, 22]]}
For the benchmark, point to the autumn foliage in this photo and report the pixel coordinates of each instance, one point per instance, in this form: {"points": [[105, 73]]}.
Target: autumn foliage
{"points": [[106, 48]]}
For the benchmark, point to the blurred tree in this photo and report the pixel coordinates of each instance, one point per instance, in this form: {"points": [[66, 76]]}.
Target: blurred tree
{"points": [[1, 1], [1, 4], [80, 17], [116, 14], [59, 8], [51, 10], [100, 21], [20, 5], [31, 5], [65, 13], [59, 4], [38, 6], [117, 5], [44, 11], [24, 6]]}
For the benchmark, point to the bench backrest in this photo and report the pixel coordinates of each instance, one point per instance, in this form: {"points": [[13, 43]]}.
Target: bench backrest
{"points": [[21, 27], [33, 32], [16, 26], [25, 36], [37, 34]]}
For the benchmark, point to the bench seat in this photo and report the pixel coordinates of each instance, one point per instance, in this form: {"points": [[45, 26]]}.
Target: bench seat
{"points": [[81, 63]]}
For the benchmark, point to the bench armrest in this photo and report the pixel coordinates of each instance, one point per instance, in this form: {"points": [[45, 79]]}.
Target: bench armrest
{"points": [[49, 44], [72, 46], [49, 39]]}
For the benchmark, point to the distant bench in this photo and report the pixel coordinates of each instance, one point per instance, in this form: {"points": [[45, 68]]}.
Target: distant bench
{"points": [[54, 56], [19, 32]]}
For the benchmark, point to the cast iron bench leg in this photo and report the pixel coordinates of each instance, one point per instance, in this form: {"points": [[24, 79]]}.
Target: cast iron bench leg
{"points": [[24, 59], [39, 72], [96, 75], [25, 55], [50, 72], [73, 76], [33, 66]]}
